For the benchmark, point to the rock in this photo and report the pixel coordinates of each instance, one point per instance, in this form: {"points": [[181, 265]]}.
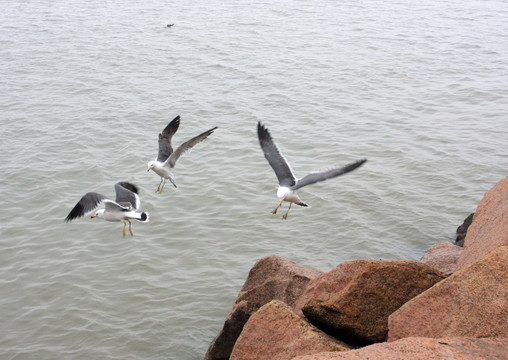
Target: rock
{"points": [[353, 301], [271, 278], [443, 256], [422, 349], [275, 331], [462, 230], [489, 229], [473, 302]]}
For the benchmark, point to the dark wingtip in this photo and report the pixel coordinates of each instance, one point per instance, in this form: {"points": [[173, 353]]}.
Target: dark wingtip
{"points": [[129, 186], [263, 132], [75, 213], [355, 165]]}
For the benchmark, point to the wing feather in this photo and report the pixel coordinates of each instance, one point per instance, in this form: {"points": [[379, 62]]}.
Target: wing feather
{"points": [[186, 146], [317, 176], [127, 195], [165, 148], [88, 202], [275, 158]]}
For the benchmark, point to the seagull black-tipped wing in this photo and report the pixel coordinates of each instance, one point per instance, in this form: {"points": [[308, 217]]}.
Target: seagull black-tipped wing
{"points": [[275, 158], [187, 146], [317, 176], [165, 148], [88, 202], [127, 195]]}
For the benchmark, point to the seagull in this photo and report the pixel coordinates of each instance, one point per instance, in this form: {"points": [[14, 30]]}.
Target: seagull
{"points": [[122, 209], [166, 159], [288, 183]]}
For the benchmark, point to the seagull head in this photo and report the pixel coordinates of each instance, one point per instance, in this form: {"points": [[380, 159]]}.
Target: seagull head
{"points": [[151, 165], [98, 214]]}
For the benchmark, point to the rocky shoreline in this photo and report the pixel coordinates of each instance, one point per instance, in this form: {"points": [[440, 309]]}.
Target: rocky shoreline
{"points": [[451, 304]]}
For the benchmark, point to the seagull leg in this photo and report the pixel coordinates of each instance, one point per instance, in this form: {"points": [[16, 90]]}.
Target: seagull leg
{"points": [[123, 230], [274, 211], [159, 187], [162, 188], [130, 229], [285, 216]]}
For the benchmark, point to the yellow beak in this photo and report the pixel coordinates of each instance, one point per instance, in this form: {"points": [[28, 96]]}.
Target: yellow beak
{"points": [[148, 170], [93, 216]]}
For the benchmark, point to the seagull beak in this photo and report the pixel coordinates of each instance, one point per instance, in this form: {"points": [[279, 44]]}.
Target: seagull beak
{"points": [[148, 170], [93, 216]]}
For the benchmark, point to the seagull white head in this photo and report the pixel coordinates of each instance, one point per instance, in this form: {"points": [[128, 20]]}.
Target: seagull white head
{"points": [[151, 165], [98, 213]]}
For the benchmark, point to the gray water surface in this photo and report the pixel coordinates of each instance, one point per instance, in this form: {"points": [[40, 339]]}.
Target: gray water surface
{"points": [[420, 89]]}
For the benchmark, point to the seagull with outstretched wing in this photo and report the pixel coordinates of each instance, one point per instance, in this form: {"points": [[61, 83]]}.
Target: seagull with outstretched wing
{"points": [[288, 183], [122, 209], [166, 158]]}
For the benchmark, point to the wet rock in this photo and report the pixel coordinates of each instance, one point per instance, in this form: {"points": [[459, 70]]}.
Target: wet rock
{"points": [[353, 301], [462, 230], [422, 349], [275, 331], [489, 229], [271, 278], [443, 256], [473, 302]]}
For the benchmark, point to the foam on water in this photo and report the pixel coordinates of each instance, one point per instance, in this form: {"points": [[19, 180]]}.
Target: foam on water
{"points": [[418, 89]]}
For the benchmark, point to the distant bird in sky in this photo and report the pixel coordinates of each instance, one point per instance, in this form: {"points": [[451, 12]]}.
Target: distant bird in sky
{"points": [[288, 183], [166, 159], [122, 209]]}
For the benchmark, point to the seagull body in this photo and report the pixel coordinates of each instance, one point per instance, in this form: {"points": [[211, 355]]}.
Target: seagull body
{"points": [[288, 183], [122, 209], [166, 158]]}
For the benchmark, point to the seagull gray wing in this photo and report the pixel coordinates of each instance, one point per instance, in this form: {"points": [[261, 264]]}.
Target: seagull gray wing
{"points": [[88, 202], [127, 195], [317, 176], [165, 148], [187, 146], [275, 158], [112, 206]]}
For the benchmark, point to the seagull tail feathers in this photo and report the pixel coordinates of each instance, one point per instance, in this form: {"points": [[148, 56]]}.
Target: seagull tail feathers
{"points": [[143, 217]]}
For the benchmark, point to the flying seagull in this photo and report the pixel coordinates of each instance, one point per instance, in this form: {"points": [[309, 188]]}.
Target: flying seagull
{"points": [[122, 209], [166, 159], [288, 183]]}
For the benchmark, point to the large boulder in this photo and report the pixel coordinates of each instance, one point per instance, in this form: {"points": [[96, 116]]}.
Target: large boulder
{"points": [[472, 302], [422, 349], [489, 229], [443, 256], [275, 331], [353, 301], [271, 278]]}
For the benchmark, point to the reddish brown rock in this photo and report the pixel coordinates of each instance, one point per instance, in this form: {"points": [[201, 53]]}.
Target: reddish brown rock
{"points": [[472, 302], [353, 301], [443, 257], [275, 331], [489, 229], [423, 349], [271, 278]]}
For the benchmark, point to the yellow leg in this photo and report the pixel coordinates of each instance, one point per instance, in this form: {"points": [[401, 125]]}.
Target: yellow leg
{"points": [[159, 187], [130, 229], [274, 211], [285, 216], [123, 230], [162, 188]]}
